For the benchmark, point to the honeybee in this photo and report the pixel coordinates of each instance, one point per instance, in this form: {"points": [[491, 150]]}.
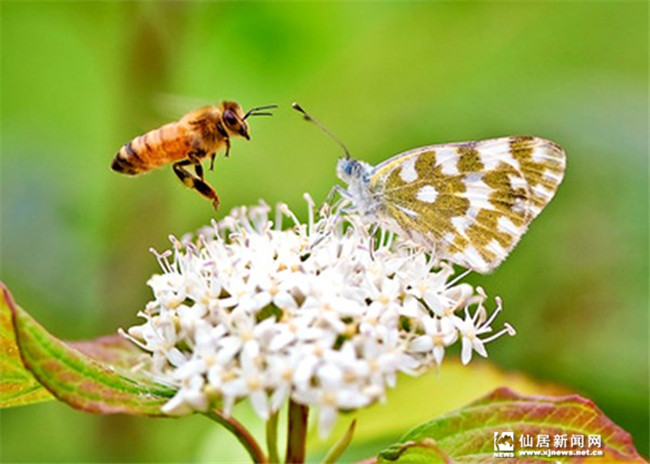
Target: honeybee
{"points": [[187, 142]]}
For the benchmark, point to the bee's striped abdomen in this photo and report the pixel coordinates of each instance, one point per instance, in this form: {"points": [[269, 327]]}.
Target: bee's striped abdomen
{"points": [[127, 161], [153, 149]]}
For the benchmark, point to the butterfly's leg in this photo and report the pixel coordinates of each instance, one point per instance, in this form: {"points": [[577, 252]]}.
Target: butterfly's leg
{"points": [[195, 182], [318, 240], [372, 242], [337, 189], [345, 197], [326, 206]]}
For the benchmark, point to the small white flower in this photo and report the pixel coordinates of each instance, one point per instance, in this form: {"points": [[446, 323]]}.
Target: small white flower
{"points": [[243, 334], [472, 326], [271, 311], [332, 391], [190, 396], [250, 383], [438, 334], [281, 371]]}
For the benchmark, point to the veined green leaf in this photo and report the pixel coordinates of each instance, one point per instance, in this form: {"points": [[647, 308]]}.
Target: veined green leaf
{"points": [[472, 434], [18, 387], [85, 383]]}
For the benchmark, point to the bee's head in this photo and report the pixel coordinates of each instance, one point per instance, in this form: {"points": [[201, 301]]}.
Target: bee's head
{"points": [[234, 119]]}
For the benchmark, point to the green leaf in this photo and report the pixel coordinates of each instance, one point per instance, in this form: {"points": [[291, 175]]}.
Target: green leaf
{"points": [[468, 434], [18, 387], [112, 349], [83, 382]]}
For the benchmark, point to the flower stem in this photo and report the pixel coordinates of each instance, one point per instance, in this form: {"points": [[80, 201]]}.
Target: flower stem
{"points": [[244, 436], [296, 433], [272, 438]]}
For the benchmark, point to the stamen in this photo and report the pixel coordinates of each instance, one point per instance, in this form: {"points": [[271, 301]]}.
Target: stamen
{"points": [[310, 210], [244, 220], [126, 335], [287, 212], [507, 329], [162, 259], [495, 312], [460, 277], [278, 219]]}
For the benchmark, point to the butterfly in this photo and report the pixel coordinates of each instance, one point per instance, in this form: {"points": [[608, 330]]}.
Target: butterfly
{"points": [[468, 202]]}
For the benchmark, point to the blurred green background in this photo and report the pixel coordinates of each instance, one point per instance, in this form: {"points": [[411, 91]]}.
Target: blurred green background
{"points": [[80, 79]]}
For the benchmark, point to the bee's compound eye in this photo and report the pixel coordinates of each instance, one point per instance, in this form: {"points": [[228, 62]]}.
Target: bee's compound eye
{"points": [[349, 167], [230, 118]]}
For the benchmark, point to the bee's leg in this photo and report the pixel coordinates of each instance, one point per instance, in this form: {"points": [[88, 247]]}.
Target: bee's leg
{"points": [[214, 154], [199, 170], [195, 182], [227, 140], [195, 158]]}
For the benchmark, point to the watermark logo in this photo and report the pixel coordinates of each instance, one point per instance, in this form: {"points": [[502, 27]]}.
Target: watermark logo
{"points": [[504, 444], [546, 445]]}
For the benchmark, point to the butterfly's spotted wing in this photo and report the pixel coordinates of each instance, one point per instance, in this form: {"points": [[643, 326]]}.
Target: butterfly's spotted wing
{"points": [[469, 202]]}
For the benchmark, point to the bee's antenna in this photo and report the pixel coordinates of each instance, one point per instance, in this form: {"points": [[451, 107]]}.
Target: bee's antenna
{"points": [[308, 117], [256, 111]]}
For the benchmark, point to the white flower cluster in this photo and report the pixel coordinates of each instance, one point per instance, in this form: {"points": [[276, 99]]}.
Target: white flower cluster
{"points": [[309, 312]]}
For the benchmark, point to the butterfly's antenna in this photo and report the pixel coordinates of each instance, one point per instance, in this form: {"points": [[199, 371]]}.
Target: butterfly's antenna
{"points": [[308, 117], [256, 111]]}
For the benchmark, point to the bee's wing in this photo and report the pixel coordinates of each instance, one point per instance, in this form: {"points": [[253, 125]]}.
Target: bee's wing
{"points": [[173, 106], [470, 202]]}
